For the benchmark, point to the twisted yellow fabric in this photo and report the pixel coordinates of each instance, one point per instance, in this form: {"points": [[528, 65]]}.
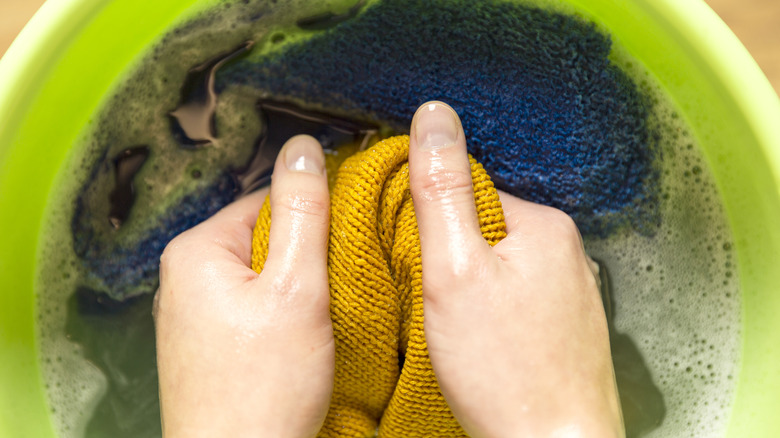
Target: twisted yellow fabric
{"points": [[384, 380]]}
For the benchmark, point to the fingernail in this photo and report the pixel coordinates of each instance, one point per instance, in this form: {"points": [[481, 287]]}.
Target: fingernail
{"points": [[435, 126], [304, 154]]}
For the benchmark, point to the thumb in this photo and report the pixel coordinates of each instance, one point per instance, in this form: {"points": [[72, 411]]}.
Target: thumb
{"points": [[441, 185], [300, 213]]}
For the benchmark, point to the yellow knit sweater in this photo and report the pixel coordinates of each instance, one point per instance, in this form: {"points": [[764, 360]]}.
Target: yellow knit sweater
{"points": [[384, 381]]}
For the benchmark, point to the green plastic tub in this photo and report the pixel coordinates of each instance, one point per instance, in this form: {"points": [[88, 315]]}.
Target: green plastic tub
{"points": [[58, 70]]}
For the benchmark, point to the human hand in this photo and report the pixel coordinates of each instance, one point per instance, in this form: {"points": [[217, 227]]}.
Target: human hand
{"points": [[516, 333], [241, 354]]}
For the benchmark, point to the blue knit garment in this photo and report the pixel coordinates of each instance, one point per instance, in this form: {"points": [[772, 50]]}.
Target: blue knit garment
{"points": [[544, 110]]}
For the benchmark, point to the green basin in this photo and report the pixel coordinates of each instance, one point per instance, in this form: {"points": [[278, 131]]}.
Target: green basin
{"points": [[57, 72]]}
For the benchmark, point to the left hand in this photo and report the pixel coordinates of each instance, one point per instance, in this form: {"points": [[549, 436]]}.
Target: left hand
{"points": [[243, 354]]}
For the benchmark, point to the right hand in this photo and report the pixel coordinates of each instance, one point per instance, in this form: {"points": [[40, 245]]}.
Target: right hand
{"points": [[516, 333]]}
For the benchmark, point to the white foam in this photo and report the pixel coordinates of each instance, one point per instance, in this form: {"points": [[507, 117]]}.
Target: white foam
{"points": [[677, 295]]}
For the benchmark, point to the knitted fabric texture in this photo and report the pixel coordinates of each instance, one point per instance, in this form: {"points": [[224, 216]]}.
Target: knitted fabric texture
{"points": [[384, 380]]}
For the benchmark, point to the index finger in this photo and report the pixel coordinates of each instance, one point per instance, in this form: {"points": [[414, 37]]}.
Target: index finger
{"points": [[231, 227]]}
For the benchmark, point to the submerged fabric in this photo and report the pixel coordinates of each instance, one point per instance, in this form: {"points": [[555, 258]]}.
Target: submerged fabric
{"points": [[384, 380]]}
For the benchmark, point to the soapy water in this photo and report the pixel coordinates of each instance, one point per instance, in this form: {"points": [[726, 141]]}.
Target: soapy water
{"points": [[611, 153], [543, 108]]}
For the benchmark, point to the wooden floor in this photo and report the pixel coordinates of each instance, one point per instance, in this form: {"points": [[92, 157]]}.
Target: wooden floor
{"points": [[755, 22], [14, 14]]}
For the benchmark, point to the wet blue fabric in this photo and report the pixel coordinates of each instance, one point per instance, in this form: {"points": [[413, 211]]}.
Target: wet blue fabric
{"points": [[544, 110]]}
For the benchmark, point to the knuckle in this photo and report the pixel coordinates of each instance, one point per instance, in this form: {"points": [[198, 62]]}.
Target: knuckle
{"points": [[444, 184], [313, 203], [442, 278], [559, 228], [301, 289], [178, 248], [562, 225], [171, 253], [181, 251]]}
